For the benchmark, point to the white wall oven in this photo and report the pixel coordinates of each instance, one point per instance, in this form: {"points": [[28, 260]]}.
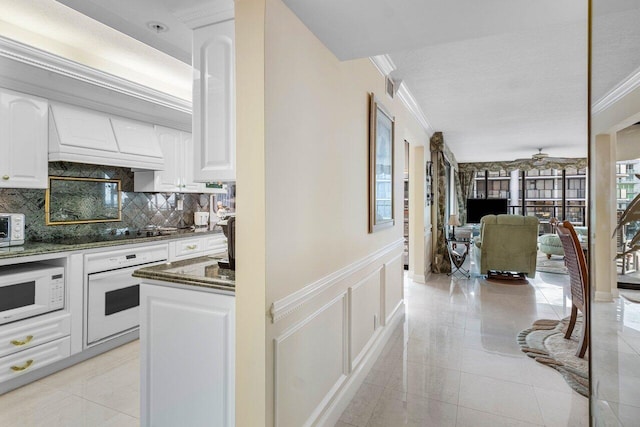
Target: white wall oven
{"points": [[112, 294], [30, 289]]}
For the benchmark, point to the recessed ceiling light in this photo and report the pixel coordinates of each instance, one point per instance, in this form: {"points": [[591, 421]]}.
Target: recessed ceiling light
{"points": [[157, 27]]}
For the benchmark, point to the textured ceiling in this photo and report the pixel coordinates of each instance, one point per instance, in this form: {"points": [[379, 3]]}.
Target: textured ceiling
{"points": [[500, 79], [501, 97], [53, 27], [361, 28], [131, 18], [616, 41]]}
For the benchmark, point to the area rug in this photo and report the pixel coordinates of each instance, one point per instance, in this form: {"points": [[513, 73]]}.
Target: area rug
{"points": [[632, 296], [632, 279], [554, 265], [545, 343]]}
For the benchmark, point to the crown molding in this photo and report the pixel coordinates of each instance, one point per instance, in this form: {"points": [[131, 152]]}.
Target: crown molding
{"points": [[32, 56], [212, 12], [385, 66], [383, 63], [622, 89], [410, 102]]}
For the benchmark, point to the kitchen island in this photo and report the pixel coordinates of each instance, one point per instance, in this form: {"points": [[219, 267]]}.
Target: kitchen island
{"points": [[187, 343]]}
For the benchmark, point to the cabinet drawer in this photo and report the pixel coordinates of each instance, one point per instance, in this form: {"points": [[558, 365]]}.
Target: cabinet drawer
{"points": [[29, 333], [37, 357], [186, 249], [215, 245]]}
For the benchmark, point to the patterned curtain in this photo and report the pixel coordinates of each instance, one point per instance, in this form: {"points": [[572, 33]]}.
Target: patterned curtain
{"points": [[464, 180], [526, 164], [440, 262]]}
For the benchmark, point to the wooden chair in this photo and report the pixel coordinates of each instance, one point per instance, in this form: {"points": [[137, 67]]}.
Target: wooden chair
{"points": [[578, 274]]}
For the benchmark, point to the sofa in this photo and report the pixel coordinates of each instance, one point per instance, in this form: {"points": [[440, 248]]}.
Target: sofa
{"points": [[549, 244], [507, 243]]}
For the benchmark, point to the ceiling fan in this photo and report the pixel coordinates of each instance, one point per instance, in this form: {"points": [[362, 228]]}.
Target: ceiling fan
{"points": [[541, 159]]}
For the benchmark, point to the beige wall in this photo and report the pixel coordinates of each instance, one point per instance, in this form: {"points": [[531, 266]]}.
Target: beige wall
{"points": [[302, 141], [316, 154], [251, 315]]}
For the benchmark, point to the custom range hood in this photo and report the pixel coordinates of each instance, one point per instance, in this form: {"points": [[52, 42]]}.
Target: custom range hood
{"points": [[86, 136]]}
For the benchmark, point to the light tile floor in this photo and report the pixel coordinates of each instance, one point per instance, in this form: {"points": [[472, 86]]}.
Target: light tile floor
{"points": [[455, 361], [615, 362], [102, 391]]}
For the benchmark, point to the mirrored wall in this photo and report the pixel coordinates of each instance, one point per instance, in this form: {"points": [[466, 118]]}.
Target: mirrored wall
{"points": [[614, 160]]}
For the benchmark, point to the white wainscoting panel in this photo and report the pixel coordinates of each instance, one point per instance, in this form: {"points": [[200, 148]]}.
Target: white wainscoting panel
{"points": [[310, 364], [364, 314], [295, 301], [393, 287], [327, 335]]}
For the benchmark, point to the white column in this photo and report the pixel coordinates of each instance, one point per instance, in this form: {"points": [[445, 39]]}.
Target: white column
{"points": [[417, 241], [603, 218], [514, 188]]}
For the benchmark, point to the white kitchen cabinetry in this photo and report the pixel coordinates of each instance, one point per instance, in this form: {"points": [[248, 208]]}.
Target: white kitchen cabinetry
{"points": [[197, 246], [177, 176], [24, 132], [187, 357], [81, 135], [37, 357], [34, 343], [214, 109]]}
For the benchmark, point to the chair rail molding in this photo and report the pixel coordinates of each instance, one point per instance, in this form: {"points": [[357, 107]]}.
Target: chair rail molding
{"points": [[29, 55], [292, 302]]}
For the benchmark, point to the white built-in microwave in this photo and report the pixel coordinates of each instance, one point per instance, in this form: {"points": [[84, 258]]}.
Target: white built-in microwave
{"points": [[30, 289]]}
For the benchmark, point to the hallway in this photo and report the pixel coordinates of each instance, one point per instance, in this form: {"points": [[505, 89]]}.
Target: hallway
{"points": [[455, 360]]}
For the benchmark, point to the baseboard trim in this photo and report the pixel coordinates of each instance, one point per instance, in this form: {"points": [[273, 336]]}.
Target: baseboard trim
{"points": [[342, 399], [601, 296], [418, 278]]}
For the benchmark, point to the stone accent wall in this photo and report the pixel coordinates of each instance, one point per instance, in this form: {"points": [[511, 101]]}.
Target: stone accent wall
{"points": [[138, 209]]}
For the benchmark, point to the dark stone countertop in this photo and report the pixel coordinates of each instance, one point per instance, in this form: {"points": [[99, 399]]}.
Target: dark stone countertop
{"points": [[202, 272], [84, 243]]}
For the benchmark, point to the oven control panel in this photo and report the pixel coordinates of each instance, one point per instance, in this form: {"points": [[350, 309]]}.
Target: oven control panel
{"points": [[122, 258]]}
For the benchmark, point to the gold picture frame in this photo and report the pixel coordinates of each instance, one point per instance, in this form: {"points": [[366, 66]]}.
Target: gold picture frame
{"points": [[381, 166], [70, 200]]}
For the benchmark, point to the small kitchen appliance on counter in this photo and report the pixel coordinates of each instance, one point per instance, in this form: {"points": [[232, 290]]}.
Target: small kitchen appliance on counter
{"points": [[11, 229], [201, 219]]}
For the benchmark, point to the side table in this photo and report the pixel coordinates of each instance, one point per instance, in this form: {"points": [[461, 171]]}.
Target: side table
{"points": [[458, 250]]}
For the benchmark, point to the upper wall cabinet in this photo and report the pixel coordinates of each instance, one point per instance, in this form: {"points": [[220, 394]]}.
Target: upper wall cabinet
{"points": [[81, 135], [177, 176], [214, 122], [23, 121]]}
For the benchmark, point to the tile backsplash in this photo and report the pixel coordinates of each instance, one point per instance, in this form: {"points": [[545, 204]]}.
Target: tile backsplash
{"points": [[138, 209]]}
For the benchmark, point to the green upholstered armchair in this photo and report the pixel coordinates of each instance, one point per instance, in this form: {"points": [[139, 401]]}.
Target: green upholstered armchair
{"points": [[507, 243]]}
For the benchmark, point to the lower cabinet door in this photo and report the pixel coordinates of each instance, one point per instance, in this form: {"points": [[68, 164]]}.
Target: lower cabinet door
{"points": [[36, 357], [187, 357]]}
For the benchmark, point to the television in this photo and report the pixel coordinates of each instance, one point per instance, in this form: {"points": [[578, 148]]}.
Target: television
{"points": [[477, 208]]}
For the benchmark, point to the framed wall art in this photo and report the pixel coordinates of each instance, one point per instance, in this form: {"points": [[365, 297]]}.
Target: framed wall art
{"points": [[381, 170], [82, 200]]}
